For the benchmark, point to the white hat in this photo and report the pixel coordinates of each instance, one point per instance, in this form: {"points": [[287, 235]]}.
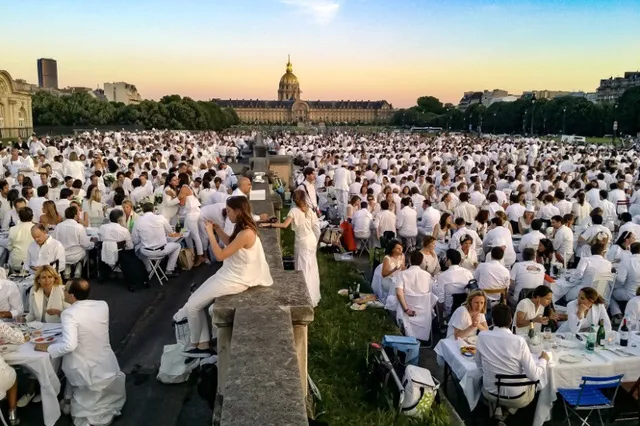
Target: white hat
{"points": [[529, 208]]}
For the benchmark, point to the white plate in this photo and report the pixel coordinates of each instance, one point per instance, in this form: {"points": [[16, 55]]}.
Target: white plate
{"points": [[472, 340], [7, 349], [571, 359], [36, 325]]}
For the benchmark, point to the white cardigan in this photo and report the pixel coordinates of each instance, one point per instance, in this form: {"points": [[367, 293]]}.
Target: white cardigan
{"points": [[36, 300]]}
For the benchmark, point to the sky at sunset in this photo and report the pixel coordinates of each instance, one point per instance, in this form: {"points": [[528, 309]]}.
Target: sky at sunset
{"points": [[396, 50]]}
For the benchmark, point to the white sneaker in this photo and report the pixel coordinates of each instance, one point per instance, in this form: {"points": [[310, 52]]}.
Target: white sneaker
{"points": [[37, 398], [25, 400]]}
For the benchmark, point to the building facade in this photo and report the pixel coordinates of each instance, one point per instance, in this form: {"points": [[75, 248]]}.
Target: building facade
{"points": [[611, 88], [47, 73], [122, 92], [291, 108], [16, 119]]}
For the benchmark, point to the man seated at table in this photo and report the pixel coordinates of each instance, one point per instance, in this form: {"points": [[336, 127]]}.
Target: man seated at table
{"points": [[150, 238], [95, 391], [452, 281], [627, 281], [493, 276], [499, 351], [532, 238], [112, 235], [527, 274], [11, 305], [587, 270], [20, 238], [44, 250], [413, 281], [75, 241]]}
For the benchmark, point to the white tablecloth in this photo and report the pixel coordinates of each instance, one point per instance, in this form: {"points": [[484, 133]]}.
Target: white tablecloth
{"points": [[559, 375], [44, 369]]}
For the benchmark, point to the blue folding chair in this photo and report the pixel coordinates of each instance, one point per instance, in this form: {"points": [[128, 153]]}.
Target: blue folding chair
{"points": [[589, 397]]}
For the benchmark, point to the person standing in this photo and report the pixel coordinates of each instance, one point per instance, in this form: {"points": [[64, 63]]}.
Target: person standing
{"points": [[309, 187], [305, 225], [95, 391], [341, 181]]}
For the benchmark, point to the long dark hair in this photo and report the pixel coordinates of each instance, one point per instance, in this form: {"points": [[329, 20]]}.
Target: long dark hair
{"points": [[244, 219], [167, 181], [300, 199]]}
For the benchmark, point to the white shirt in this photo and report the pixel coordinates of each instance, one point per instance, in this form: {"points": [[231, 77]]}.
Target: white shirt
{"points": [[19, 240], [515, 211], [407, 222], [589, 267], [386, 222], [414, 280], [527, 306], [362, 221], [10, 299], [430, 217], [502, 233], [530, 240], [563, 242], [461, 319], [74, 239], [629, 274], [593, 316], [150, 231], [501, 352], [527, 274], [35, 204], [115, 232], [466, 211], [46, 254], [492, 275], [450, 282]]}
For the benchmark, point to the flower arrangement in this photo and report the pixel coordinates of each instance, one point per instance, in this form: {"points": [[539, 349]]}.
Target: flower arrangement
{"points": [[109, 179]]}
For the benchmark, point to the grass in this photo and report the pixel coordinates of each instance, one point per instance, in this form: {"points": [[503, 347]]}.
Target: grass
{"points": [[338, 340]]}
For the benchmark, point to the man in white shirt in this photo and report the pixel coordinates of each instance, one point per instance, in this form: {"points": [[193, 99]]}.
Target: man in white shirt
{"points": [[466, 210], [562, 240], [309, 187], [430, 217], [75, 241], [492, 275], [386, 219], [35, 204], [44, 250], [499, 351], [532, 238], [452, 281], [526, 274], [461, 232], [97, 386], [20, 239], [138, 193], [499, 232], [150, 239], [341, 181], [362, 222], [66, 195], [413, 281], [407, 224], [627, 280]]}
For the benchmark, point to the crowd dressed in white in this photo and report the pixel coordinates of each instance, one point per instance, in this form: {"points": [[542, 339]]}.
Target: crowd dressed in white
{"points": [[536, 223], [121, 198]]}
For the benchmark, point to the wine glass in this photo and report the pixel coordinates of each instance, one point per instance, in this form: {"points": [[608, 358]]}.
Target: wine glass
{"points": [[546, 333]]}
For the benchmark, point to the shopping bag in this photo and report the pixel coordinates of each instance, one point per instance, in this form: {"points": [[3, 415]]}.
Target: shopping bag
{"points": [[186, 259], [172, 366], [420, 390]]}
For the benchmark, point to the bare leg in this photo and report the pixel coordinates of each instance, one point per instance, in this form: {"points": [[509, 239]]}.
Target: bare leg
{"points": [[12, 396]]}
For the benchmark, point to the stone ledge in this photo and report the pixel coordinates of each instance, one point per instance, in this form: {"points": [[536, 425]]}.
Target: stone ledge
{"points": [[264, 383]]}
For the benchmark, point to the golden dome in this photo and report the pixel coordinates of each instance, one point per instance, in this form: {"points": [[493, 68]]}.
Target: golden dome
{"points": [[289, 77]]}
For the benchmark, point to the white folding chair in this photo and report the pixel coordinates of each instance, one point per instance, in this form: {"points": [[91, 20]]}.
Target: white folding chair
{"points": [[156, 269], [603, 284]]}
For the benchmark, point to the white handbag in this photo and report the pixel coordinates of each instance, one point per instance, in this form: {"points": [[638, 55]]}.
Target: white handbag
{"points": [[172, 367]]}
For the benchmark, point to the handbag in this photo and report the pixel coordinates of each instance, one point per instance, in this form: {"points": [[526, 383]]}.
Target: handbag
{"points": [[172, 366], [186, 259], [420, 390]]}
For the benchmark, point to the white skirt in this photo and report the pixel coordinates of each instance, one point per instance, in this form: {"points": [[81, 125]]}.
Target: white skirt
{"points": [[306, 261]]}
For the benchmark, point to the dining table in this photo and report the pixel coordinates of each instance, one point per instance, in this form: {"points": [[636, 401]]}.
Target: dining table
{"points": [[42, 367], [569, 363]]}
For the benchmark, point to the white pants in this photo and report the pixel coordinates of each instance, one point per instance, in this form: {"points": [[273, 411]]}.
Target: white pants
{"points": [[211, 289], [341, 198], [191, 222], [170, 249], [622, 295]]}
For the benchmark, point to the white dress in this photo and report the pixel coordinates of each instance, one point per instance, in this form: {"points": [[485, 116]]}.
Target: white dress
{"points": [[12, 336], [307, 232]]}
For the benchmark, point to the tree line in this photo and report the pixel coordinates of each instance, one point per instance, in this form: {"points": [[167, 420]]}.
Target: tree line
{"points": [[562, 115], [170, 112]]}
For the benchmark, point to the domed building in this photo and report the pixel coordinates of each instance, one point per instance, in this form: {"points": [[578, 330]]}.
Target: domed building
{"points": [[290, 108]]}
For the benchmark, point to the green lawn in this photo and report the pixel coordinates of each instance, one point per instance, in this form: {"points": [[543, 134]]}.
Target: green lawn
{"points": [[338, 340]]}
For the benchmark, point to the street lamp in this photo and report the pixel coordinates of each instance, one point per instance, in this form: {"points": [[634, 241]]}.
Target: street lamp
{"points": [[494, 122], [480, 126], [564, 116], [615, 124], [524, 122], [533, 112]]}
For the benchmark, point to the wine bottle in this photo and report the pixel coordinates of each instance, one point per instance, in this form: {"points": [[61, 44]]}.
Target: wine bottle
{"points": [[624, 334], [357, 293], [600, 338], [532, 331], [591, 339], [514, 330]]}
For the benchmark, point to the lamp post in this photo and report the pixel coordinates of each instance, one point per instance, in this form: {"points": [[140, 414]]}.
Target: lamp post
{"points": [[524, 122], [494, 122], [615, 124], [544, 121], [480, 126], [564, 116], [533, 112]]}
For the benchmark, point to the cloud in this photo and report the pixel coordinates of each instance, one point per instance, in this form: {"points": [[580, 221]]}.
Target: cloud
{"points": [[321, 11]]}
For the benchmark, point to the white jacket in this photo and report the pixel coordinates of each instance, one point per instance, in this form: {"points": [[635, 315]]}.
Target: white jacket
{"points": [[36, 300], [88, 357]]}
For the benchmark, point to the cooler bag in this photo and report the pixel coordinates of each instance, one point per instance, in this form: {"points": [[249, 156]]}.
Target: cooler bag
{"points": [[420, 390]]}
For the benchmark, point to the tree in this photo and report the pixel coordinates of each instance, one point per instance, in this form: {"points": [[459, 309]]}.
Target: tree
{"points": [[430, 104]]}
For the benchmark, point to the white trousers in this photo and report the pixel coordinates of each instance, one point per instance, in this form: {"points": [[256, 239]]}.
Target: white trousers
{"points": [[342, 199], [191, 222], [210, 290], [170, 249], [622, 295]]}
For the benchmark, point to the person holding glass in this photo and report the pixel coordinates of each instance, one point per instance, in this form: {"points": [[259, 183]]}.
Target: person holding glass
{"points": [[532, 310], [469, 318]]}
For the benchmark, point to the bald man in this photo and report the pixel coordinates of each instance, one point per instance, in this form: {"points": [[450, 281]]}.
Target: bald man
{"points": [[244, 187], [94, 380]]}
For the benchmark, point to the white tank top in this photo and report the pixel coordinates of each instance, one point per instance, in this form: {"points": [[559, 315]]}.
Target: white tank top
{"points": [[247, 266]]}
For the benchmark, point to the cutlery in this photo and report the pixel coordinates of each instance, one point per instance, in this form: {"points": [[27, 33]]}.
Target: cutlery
{"points": [[579, 337]]}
